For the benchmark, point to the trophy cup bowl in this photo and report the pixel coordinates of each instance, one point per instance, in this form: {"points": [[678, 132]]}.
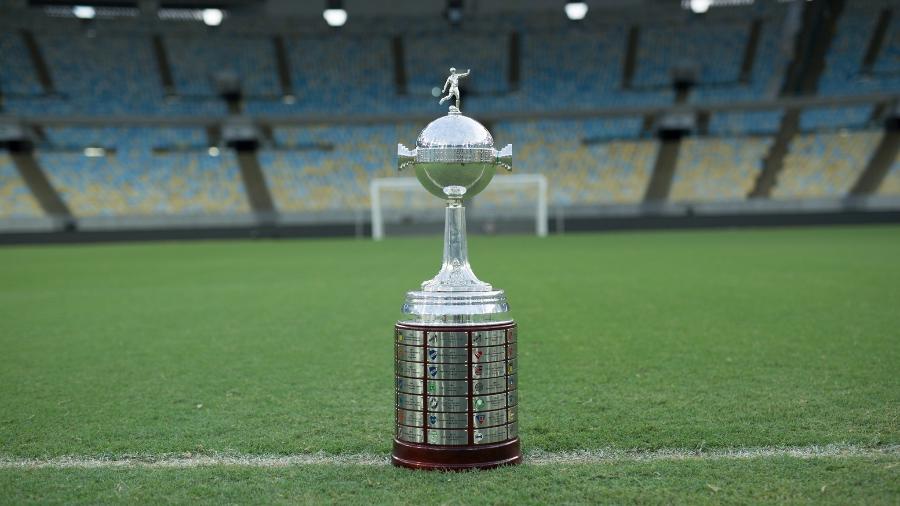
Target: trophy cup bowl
{"points": [[456, 365]]}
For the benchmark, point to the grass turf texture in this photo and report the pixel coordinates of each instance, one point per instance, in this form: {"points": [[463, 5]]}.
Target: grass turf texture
{"points": [[634, 340]]}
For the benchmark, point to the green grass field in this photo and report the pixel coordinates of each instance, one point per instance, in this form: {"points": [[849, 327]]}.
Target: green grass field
{"points": [[633, 341]]}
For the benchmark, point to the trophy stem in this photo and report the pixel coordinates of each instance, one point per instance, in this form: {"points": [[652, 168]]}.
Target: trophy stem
{"points": [[456, 248], [456, 274]]}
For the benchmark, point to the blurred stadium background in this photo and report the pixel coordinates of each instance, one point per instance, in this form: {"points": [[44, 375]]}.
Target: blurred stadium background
{"points": [[234, 118]]}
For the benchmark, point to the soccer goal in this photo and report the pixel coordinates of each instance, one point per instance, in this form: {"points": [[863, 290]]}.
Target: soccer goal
{"points": [[388, 195]]}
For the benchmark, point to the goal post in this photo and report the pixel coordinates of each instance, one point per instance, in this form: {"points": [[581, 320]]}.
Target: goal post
{"points": [[378, 186]]}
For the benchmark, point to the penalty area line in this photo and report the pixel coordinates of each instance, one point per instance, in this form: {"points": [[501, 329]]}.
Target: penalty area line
{"points": [[533, 457]]}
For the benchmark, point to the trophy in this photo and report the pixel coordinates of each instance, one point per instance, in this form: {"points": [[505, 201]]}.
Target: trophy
{"points": [[455, 367]]}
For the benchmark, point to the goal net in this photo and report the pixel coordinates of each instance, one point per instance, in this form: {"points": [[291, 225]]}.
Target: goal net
{"points": [[398, 200]]}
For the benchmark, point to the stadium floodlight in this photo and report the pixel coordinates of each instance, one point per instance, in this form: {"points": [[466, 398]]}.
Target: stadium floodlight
{"points": [[700, 6], [289, 99], [212, 17], [213, 151], [335, 14], [94, 152], [84, 12], [576, 11], [335, 17]]}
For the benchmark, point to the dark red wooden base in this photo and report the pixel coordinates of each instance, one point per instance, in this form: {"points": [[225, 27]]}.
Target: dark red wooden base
{"points": [[456, 458]]}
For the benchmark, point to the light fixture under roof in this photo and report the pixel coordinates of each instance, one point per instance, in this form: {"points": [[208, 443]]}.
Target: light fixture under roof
{"points": [[335, 17], [213, 17], [576, 11], [94, 152], [700, 6], [84, 12]]}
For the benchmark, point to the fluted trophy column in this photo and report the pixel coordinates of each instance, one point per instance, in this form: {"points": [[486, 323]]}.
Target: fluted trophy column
{"points": [[456, 343]]}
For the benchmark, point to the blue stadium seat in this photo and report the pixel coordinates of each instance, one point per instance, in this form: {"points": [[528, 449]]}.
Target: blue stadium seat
{"points": [[718, 168], [825, 164], [138, 179]]}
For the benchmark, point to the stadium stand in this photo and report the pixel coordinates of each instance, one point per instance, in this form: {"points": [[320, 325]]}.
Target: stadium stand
{"points": [[560, 70], [195, 61], [825, 118], [606, 172], [844, 73], [429, 57], [719, 83], [888, 60], [825, 164], [554, 74], [329, 168], [133, 180], [17, 75], [103, 74], [16, 201], [749, 122], [662, 47], [718, 168], [337, 74]]}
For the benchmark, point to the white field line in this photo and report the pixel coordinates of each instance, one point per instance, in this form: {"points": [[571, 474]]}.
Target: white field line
{"points": [[534, 457]]}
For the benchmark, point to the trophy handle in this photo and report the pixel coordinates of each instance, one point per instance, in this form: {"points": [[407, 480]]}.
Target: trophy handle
{"points": [[504, 157], [405, 156]]}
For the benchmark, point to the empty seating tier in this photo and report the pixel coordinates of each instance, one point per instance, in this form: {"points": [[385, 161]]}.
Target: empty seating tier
{"points": [[825, 164]]}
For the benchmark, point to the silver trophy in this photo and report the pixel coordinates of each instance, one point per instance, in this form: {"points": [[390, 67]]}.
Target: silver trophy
{"points": [[456, 341]]}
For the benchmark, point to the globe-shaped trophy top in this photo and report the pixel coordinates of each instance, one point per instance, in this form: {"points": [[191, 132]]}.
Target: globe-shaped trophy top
{"points": [[455, 152]]}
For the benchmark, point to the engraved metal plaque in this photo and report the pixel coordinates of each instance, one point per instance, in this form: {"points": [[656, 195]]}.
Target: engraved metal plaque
{"points": [[410, 386], [511, 382], [411, 434], [489, 402], [448, 437], [489, 338], [489, 370], [490, 435], [411, 418], [489, 385], [489, 418], [447, 420], [410, 337], [448, 339], [439, 404], [511, 350], [512, 398], [409, 369], [410, 353], [513, 429], [436, 387], [448, 355], [408, 401], [512, 414], [513, 334], [446, 371], [512, 366], [489, 354]]}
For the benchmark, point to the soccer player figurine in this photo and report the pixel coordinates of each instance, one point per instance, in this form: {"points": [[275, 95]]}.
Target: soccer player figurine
{"points": [[453, 83], [456, 367]]}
